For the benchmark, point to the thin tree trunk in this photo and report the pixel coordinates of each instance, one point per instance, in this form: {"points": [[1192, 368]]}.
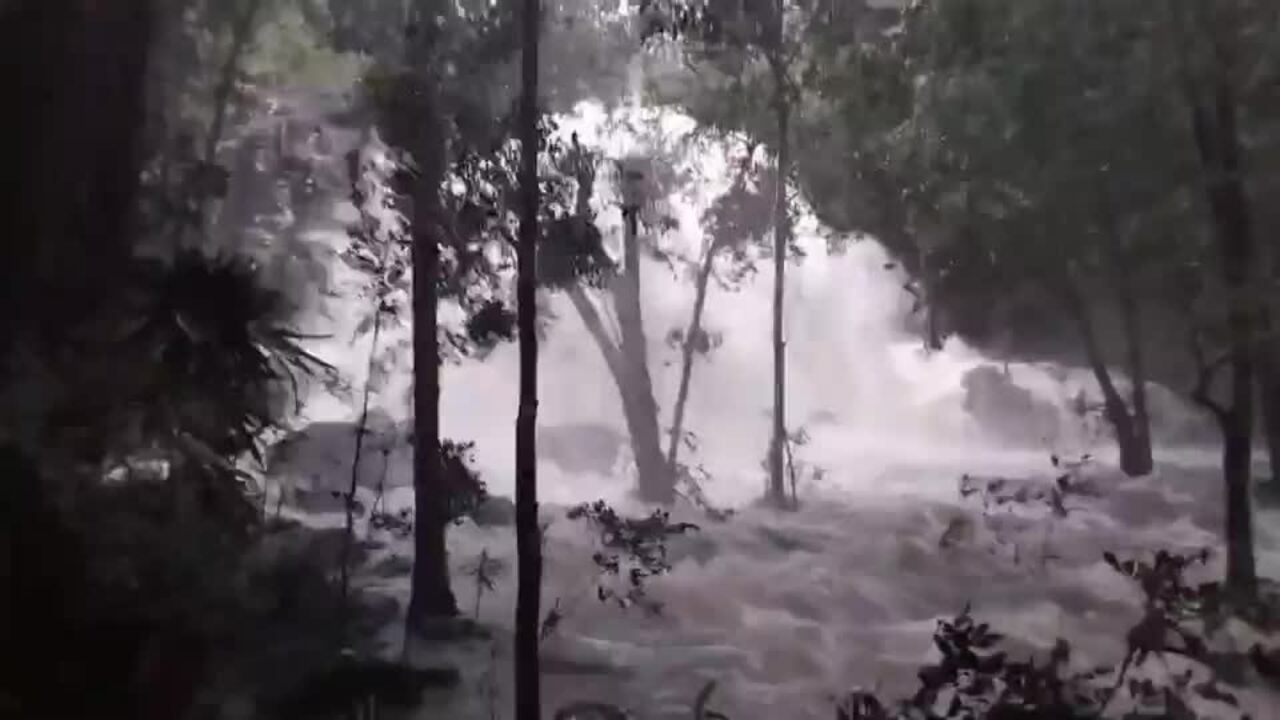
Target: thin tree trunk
{"points": [[349, 498], [241, 32], [933, 339], [1131, 317], [430, 591], [627, 358], [1133, 443], [528, 694], [639, 406], [631, 391], [782, 238], [688, 351], [1135, 453]]}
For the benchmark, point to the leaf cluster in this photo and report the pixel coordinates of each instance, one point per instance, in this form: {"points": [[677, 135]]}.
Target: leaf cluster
{"points": [[976, 680], [634, 549]]}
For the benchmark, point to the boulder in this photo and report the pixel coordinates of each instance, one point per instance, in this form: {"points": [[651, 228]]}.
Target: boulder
{"points": [[1008, 412], [393, 566], [582, 448], [495, 511]]}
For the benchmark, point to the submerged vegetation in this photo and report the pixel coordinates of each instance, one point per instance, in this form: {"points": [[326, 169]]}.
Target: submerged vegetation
{"points": [[256, 245]]}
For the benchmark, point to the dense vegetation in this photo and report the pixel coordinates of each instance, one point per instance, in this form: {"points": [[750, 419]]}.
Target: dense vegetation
{"points": [[1100, 171]]}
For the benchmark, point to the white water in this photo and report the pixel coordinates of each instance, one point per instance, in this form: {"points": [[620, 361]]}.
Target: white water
{"points": [[884, 401], [854, 599]]}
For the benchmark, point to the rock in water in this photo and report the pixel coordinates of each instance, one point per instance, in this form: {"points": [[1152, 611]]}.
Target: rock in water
{"points": [[495, 511], [1006, 411], [582, 448], [591, 711], [393, 566]]}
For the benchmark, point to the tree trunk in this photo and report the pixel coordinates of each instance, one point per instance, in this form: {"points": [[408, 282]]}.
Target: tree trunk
{"points": [[1216, 135], [688, 351], [627, 358], [632, 391], [430, 591], [925, 291], [241, 33], [528, 533], [1133, 439], [1269, 400], [638, 403], [1231, 221], [782, 240], [1140, 461], [72, 153], [1135, 446]]}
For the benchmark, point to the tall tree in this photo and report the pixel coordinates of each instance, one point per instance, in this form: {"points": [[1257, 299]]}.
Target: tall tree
{"points": [[740, 37], [428, 108], [779, 67], [1259, 70], [528, 533], [1013, 154], [430, 592], [577, 263], [1203, 37]]}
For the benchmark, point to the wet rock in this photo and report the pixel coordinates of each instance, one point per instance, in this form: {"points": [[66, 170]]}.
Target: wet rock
{"points": [[445, 630], [393, 566], [788, 543], [587, 710], [318, 456], [323, 501], [1006, 411], [959, 531], [495, 511], [696, 546], [559, 665], [372, 612], [582, 448], [1141, 506], [323, 545]]}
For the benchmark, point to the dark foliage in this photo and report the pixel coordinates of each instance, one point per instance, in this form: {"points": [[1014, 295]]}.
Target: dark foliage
{"points": [[572, 253], [976, 680], [219, 347], [125, 608], [355, 687], [634, 549], [467, 490]]}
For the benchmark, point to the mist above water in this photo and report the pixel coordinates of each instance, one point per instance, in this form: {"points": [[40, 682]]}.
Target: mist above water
{"points": [[873, 401]]}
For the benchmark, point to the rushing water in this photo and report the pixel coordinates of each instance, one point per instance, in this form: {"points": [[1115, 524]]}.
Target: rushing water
{"points": [[858, 380], [780, 609]]}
